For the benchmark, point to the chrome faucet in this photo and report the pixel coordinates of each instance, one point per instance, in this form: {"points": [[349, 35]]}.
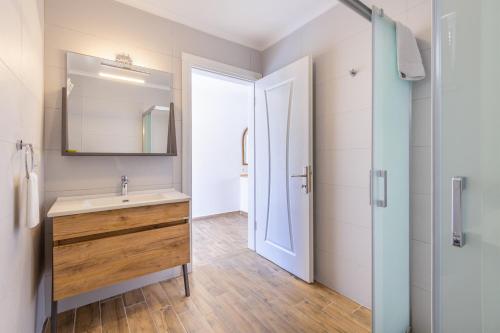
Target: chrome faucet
{"points": [[124, 185]]}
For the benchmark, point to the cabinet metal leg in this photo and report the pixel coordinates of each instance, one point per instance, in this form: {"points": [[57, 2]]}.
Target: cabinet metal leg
{"points": [[53, 317], [186, 279]]}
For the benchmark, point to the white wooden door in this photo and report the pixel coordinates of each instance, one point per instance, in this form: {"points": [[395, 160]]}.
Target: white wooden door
{"points": [[283, 168]]}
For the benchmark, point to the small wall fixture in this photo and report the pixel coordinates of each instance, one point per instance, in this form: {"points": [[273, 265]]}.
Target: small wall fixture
{"points": [[353, 72], [124, 61]]}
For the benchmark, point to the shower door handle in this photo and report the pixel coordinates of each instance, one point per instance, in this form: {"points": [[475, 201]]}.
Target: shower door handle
{"points": [[382, 174], [379, 174], [457, 228]]}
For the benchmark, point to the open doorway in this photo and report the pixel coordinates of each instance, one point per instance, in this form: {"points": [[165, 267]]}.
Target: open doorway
{"points": [[221, 109], [278, 153], [271, 275]]}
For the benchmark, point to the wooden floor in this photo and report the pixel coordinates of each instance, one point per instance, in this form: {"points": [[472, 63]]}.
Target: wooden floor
{"points": [[232, 290]]}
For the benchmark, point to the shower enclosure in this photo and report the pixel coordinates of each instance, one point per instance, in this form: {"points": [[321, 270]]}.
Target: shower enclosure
{"points": [[466, 269]]}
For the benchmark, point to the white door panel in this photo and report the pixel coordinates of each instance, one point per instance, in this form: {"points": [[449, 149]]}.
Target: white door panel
{"points": [[283, 148]]}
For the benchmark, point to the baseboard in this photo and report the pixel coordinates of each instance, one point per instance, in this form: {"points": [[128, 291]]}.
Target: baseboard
{"points": [[215, 215]]}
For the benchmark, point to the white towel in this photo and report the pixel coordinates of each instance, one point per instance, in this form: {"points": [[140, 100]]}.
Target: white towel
{"points": [[409, 58], [23, 200], [32, 201]]}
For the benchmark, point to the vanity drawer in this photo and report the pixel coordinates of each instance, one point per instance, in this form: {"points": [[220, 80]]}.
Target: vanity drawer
{"points": [[84, 266], [92, 224]]}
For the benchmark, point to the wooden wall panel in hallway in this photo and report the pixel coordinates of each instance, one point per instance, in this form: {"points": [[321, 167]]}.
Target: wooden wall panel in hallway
{"points": [[232, 290]]}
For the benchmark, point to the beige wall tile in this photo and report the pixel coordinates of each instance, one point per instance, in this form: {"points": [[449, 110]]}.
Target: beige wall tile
{"points": [[335, 130], [11, 94], [421, 170], [419, 21], [52, 129], [32, 46], [422, 89], [55, 80], [421, 121], [11, 35], [421, 262], [421, 217], [421, 310], [21, 117]]}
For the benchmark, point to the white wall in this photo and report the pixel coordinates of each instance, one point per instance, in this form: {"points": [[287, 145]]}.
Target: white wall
{"points": [[244, 194], [220, 111], [21, 117], [103, 28], [340, 40]]}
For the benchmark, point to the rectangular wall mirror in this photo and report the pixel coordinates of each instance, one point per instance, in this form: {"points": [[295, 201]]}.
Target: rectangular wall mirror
{"points": [[115, 108]]}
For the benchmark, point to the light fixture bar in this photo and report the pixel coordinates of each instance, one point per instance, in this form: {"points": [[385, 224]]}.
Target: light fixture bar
{"points": [[122, 67], [122, 78]]}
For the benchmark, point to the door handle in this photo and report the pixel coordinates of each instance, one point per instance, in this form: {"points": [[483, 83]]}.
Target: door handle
{"points": [[457, 231], [379, 174], [307, 175]]}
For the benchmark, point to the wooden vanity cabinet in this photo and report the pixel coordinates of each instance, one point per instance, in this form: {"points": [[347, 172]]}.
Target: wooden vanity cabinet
{"points": [[99, 249]]}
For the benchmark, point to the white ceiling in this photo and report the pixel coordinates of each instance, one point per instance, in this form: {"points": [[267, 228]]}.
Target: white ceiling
{"points": [[254, 23]]}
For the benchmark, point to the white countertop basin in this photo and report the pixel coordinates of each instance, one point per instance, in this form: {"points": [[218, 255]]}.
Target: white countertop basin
{"points": [[102, 202]]}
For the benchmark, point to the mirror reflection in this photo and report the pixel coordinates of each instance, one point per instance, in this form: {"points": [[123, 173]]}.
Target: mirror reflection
{"points": [[113, 107]]}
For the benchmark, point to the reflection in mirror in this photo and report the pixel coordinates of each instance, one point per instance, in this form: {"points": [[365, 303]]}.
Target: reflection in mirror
{"points": [[155, 129], [116, 108], [244, 147]]}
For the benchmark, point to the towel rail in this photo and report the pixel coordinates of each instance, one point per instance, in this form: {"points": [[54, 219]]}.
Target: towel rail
{"points": [[28, 150]]}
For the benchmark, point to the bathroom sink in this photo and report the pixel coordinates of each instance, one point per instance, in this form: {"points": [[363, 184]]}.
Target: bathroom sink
{"points": [[102, 202], [128, 199]]}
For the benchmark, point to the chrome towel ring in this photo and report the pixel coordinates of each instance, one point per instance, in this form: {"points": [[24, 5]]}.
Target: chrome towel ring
{"points": [[28, 150]]}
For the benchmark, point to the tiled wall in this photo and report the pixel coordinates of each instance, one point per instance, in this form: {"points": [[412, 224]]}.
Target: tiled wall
{"points": [[340, 40], [104, 28], [21, 117]]}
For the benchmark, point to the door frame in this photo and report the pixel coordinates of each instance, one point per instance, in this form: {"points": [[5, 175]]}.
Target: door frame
{"points": [[189, 62]]}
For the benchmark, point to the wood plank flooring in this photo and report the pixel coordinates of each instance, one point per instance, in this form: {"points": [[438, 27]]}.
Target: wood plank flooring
{"points": [[232, 290]]}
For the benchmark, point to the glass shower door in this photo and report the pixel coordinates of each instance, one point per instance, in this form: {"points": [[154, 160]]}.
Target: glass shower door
{"points": [[467, 167], [390, 183]]}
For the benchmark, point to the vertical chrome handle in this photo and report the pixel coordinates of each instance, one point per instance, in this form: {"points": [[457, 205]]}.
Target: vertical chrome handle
{"points": [[379, 174], [382, 174], [457, 232]]}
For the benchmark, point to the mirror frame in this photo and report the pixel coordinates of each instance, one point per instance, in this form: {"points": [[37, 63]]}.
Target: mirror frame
{"points": [[171, 139]]}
